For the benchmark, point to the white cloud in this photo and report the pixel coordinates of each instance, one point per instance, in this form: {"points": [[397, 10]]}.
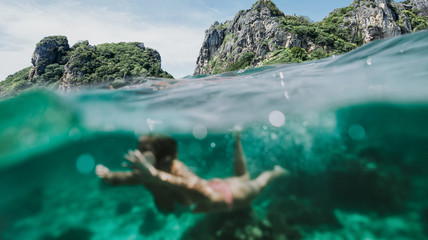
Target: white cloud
{"points": [[22, 25]]}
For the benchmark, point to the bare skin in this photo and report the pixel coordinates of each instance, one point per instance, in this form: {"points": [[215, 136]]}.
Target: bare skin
{"points": [[185, 187]]}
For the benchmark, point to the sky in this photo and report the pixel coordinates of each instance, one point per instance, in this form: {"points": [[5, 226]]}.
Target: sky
{"points": [[176, 28]]}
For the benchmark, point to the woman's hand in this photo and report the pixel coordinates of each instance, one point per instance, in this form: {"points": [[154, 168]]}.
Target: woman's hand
{"points": [[102, 171], [140, 164]]}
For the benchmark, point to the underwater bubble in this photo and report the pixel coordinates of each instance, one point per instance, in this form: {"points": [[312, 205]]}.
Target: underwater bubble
{"points": [[74, 134], [109, 127], [52, 115], [281, 75], [213, 145], [273, 136], [85, 164], [369, 61], [282, 83], [200, 131], [28, 136], [277, 118], [371, 166], [132, 237], [357, 132], [286, 95], [312, 118], [151, 123]]}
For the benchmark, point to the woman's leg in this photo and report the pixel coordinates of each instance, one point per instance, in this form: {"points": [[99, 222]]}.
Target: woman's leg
{"points": [[245, 191], [240, 164], [266, 177]]}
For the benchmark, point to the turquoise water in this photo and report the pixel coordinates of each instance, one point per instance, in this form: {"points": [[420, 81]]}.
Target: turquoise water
{"points": [[352, 129]]}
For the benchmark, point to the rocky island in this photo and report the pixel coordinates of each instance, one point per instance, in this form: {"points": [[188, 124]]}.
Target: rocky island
{"points": [[259, 36], [264, 35], [57, 65]]}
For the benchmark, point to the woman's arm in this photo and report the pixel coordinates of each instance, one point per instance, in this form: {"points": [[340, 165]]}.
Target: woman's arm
{"points": [[180, 169], [116, 178], [189, 184]]}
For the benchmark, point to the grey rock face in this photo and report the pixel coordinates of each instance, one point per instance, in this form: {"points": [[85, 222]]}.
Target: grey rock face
{"points": [[48, 51], [374, 20], [213, 40], [254, 31], [72, 73], [259, 32], [421, 6]]}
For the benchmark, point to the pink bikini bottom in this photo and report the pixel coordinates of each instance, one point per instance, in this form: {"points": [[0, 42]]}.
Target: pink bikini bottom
{"points": [[223, 188]]}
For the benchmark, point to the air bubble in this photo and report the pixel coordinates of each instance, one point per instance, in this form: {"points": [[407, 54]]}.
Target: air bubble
{"points": [[357, 132], [277, 118], [85, 164], [200, 131]]}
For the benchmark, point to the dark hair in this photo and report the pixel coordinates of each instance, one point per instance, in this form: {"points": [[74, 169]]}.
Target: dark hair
{"points": [[163, 147]]}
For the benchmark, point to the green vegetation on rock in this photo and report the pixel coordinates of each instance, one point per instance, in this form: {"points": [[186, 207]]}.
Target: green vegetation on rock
{"points": [[55, 63], [53, 74], [328, 33], [418, 22], [110, 61], [15, 82], [287, 55], [272, 7], [58, 40], [243, 62], [305, 39]]}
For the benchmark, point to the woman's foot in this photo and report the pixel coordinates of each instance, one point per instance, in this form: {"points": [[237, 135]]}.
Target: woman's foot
{"points": [[278, 171], [237, 130]]}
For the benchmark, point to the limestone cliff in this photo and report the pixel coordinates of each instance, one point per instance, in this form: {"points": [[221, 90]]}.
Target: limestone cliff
{"points": [[375, 19], [264, 35], [48, 51], [246, 40], [56, 65], [418, 6], [106, 62]]}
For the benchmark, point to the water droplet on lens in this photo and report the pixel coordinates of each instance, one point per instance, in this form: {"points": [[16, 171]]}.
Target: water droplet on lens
{"points": [[74, 134], [277, 118], [200, 131], [357, 132], [371, 166], [273, 136], [85, 164], [286, 95]]}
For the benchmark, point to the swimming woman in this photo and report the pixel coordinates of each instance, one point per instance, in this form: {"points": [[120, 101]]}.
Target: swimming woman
{"points": [[155, 166]]}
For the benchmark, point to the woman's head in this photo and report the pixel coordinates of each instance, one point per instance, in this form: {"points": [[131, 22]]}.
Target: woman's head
{"points": [[163, 147]]}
